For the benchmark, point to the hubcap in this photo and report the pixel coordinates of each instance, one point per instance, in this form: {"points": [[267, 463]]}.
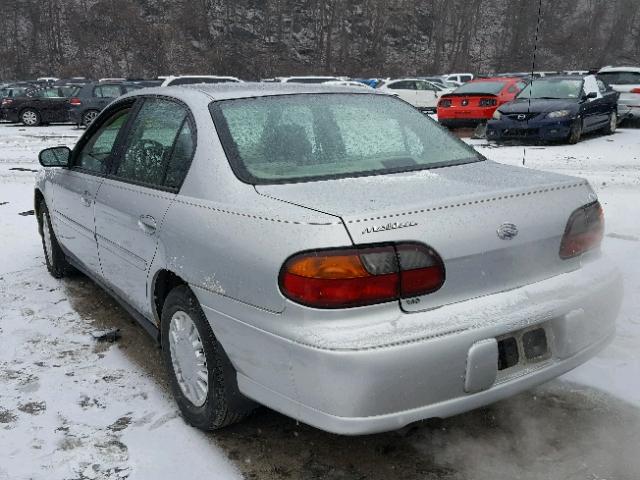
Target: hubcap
{"points": [[46, 232], [29, 118], [188, 359], [89, 117]]}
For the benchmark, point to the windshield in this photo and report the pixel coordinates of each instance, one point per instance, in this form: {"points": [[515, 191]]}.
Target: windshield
{"points": [[281, 139], [492, 88], [552, 88]]}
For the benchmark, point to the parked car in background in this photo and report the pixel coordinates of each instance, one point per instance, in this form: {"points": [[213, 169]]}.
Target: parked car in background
{"points": [[458, 77], [71, 81], [14, 90], [40, 106], [346, 83], [294, 245], [47, 80], [307, 79], [576, 72], [191, 79], [557, 108], [439, 81], [475, 101], [91, 99], [626, 81], [420, 93]]}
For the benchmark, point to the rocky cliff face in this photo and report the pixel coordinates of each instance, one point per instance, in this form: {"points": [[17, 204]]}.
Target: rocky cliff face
{"points": [[253, 38]]}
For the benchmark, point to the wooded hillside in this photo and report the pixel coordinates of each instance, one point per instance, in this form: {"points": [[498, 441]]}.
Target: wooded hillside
{"points": [[253, 39]]}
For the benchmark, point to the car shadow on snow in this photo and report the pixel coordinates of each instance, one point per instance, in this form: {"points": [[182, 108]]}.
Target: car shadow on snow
{"points": [[558, 431]]}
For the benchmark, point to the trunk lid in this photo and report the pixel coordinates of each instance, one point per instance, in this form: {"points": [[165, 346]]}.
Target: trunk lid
{"points": [[457, 211]]}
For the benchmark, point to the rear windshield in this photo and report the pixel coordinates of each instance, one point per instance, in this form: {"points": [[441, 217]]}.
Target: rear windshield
{"points": [[557, 88], [620, 78], [291, 138], [492, 88]]}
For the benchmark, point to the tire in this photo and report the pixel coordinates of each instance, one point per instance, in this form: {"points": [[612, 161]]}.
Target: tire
{"points": [[222, 403], [576, 132], [88, 117], [54, 257], [30, 117], [612, 124]]}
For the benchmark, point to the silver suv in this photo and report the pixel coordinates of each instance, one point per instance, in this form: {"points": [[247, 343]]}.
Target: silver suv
{"points": [[625, 80], [328, 252]]}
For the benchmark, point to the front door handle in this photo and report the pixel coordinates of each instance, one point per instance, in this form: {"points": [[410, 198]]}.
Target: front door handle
{"points": [[147, 224], [85, 198]]}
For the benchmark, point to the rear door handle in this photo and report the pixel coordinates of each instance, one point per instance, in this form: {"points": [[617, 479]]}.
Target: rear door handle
{"points": [[147, 224], [85, 198]]}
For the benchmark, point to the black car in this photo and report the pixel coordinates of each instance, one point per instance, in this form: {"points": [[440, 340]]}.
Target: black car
{"points": [[39, 106], [556, 108], [93, 97]]}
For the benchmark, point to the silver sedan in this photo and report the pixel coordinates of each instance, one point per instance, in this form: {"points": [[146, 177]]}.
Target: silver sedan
{"points": [[328, 252]]}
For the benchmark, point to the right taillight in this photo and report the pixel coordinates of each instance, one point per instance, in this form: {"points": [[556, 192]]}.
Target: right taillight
{"points": [[635, 90], [584, 231], [75, 101], [357, 276], [6, 102]]}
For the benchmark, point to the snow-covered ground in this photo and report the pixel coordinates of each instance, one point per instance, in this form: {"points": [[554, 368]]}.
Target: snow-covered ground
{"points": [[72, 408]]}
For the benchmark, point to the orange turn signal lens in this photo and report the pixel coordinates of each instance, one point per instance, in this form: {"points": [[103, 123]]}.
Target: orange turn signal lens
{"points": [[328, 266]]}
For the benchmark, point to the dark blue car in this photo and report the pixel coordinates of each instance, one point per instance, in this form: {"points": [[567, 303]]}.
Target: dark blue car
{"points": [[556, 108]]}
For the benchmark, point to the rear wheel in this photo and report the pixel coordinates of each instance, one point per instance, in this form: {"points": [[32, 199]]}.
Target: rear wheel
{"points": [[88, 117], [576, 132], [612, 124], [30, 118], [57, 263], [201, 376]]}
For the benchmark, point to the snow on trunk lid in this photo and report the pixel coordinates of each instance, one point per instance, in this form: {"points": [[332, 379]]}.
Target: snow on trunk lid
{"points": [[489, 243]]}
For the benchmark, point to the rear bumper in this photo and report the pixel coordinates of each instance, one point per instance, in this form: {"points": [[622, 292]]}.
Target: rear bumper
{"points": [[464, 117], [75, 115], [9, 115], [428, 365], [629, 110], [541, 130]]}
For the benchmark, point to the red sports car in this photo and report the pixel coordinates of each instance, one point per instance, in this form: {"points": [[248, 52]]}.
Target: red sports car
{"points": [[475, 101]]}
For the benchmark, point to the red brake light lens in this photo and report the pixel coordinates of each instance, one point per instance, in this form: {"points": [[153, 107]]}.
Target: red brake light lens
{"points": [[358, 276], [75, 101], [635, 90], [7, 101], [584, 231]]}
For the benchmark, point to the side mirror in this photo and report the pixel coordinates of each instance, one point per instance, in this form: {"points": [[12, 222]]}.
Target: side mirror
{"points": [[55, 157]]}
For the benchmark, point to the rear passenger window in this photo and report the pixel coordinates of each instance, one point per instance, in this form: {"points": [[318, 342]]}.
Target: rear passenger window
{"points": [[159, 146], [181, 157], [107, 91]]}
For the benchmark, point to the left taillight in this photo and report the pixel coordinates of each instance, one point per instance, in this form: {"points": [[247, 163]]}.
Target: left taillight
{"points": [[445, 102], [584, 231], [358, 276], [75, 101]]}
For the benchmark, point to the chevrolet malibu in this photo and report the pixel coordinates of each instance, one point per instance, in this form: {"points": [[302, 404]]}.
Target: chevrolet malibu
{"points": [[355, 275]]}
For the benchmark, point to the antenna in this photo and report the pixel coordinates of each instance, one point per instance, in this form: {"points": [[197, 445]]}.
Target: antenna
{"points": [[533, 69]]}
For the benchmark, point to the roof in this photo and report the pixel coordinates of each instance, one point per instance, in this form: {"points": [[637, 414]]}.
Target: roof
{"points": [[226, 91], [562, 77], [619, 69]]}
